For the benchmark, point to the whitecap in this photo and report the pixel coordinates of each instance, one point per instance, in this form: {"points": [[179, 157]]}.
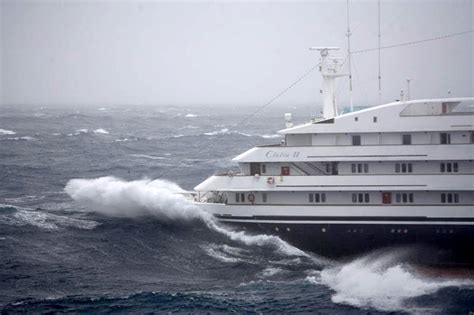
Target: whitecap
{"points": [[149, 157], [214, 251], [24, 138], [271, 136], [101, 131], [7, 132], [379, 282], [84, 130], [190, 115]]}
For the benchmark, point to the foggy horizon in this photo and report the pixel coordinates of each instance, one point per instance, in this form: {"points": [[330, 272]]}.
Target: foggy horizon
{"points": [[226, 53]]}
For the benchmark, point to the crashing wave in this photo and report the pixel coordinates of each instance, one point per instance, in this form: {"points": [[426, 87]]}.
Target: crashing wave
{"points": [[101, 131], [7, 132]]}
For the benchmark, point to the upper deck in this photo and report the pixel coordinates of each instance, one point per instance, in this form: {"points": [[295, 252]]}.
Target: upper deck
{"points": [[406, 116]]}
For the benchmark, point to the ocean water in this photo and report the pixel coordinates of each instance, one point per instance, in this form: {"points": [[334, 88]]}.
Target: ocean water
{"points": [[90, 222]]}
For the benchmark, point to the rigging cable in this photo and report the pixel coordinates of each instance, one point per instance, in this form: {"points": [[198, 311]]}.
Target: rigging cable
{"points": [[413, 42]]}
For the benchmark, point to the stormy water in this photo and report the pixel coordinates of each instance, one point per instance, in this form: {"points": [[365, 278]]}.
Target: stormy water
{"points": [[92, 221]]}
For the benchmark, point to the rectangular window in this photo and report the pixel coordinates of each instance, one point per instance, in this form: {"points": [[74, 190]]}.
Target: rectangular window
{"points": [[366, 198], [366, 168], [442, 167], [359, 168], [242, 197], [455, 167], [356, 140], [354, 197], [456, 198], [316, 197], [405, 198], [311, 198], [448, 167], [328, 168], [264, 168], [285, 170], [323, 197], [406, 139], [375, 119], [411, 198], [237, 197], [264, 197], [450, 198], [399, 198], [443, 198], [404, 168], [444, 138], [397, 168], [353, 168], [410, 168], [254, 168], [361, 198]]}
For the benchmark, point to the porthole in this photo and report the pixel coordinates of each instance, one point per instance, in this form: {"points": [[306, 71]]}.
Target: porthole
{"points": [[323, 230], [276, 228], [392, 231], [288, 229], [405, 231]]}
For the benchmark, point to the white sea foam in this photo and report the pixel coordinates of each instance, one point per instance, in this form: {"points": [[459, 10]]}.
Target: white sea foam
{"points": [[84, 130], [101, 131], [270, 271], [190, 115], [24, 138], [7, 132], [44, 220], [149, 157], [162, 199], [379, 282], [218, 253], [217, 132]]}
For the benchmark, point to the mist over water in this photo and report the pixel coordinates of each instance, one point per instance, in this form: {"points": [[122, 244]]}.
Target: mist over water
{"points": [[92, 224]]}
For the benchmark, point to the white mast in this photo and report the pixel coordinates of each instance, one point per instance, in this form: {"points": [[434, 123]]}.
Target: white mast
{"points": [[379, 38], [330, 69], [348, 34]]}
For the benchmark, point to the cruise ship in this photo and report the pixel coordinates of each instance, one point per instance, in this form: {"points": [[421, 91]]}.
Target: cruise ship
{"points": [[398, 174]]}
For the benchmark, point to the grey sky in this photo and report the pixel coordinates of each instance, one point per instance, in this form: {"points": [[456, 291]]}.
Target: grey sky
{"points": [[130, 52]]}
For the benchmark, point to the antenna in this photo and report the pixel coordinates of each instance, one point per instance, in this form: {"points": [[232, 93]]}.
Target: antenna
{"points": [[379, 37], [348, 34]]}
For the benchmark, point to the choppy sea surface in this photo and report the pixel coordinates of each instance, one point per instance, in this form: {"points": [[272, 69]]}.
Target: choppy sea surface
{"points": [[90, 222]]}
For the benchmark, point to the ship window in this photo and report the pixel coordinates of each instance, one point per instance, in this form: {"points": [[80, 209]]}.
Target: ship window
{"points": [[450, 198], [397, 168], [264, 168], [411, 198], [353, 168], [359, 168], [449, 167], [242, 197], [316, 197], [237, 197], [311, 196], [455, 167], [410, 168], [323, 197], [366, 198], [356, 140], [354, 197], [328, 168], [472, 136], [356, 118], [406, 139], [264, 197], [285, 170], [375, 119], [442, 167], [405, 198], [361, 198], [399, 198], [366, 168], [404, 168], [444, 138]]}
